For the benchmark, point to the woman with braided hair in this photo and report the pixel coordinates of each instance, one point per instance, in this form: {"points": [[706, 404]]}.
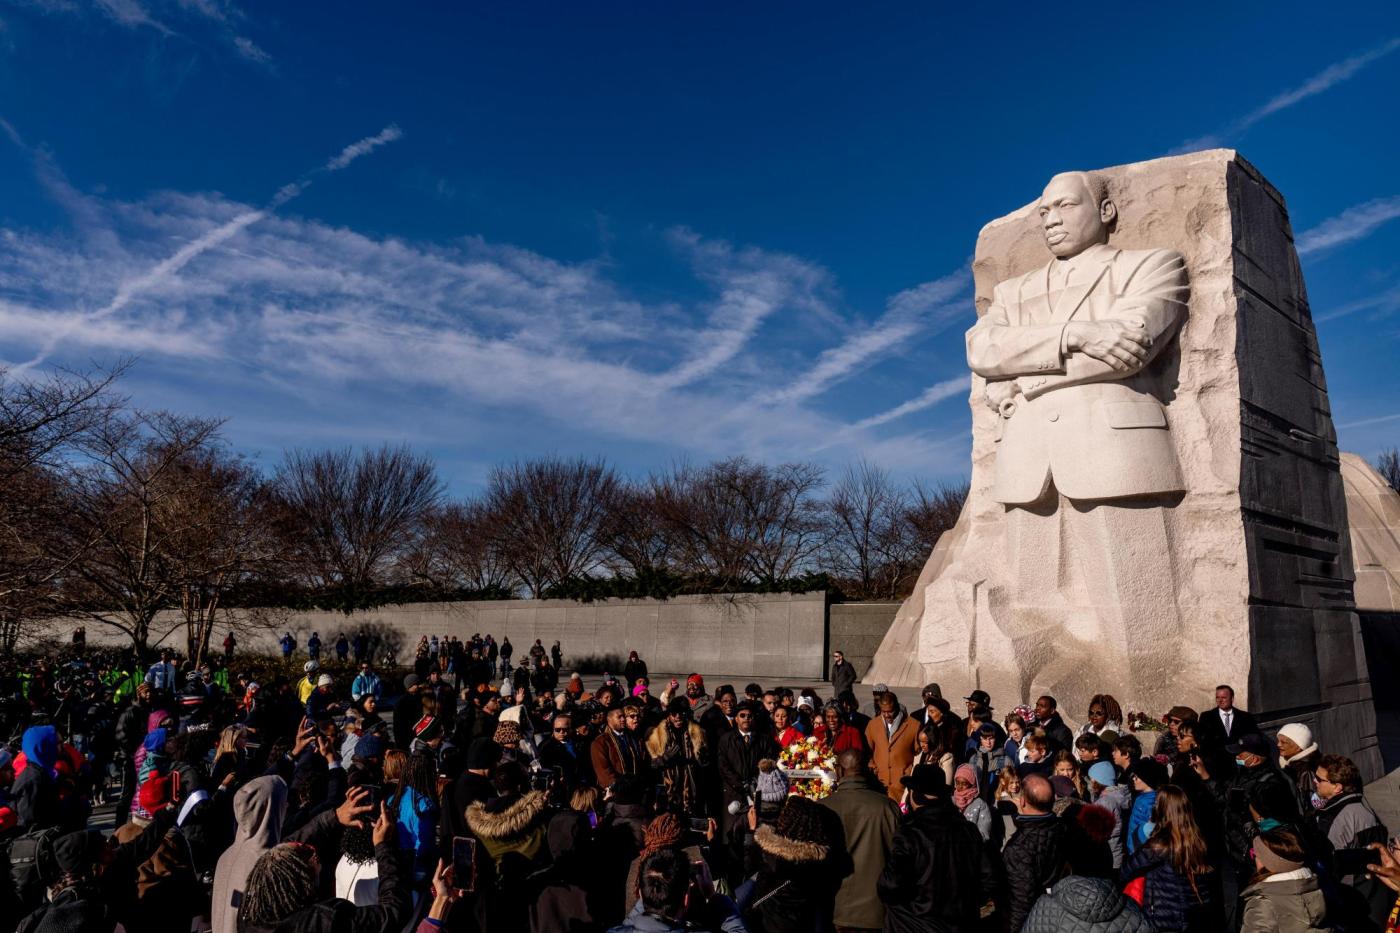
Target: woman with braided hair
{"points": [[281, 891]]}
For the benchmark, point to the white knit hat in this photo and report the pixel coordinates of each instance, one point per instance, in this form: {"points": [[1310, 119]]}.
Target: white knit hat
{"points": [[324, 680], [1300, 734]]}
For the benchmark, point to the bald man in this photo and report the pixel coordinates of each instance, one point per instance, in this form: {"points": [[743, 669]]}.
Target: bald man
{"points": [[869, 819], [1085, 462]]}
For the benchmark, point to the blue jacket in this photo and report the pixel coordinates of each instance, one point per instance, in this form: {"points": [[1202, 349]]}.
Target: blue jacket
{"points": [[366, 683], [1140, 820]]}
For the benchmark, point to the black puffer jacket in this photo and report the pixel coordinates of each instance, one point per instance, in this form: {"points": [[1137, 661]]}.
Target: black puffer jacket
{"points": [[1035, 859], [1085, 905], [1168, 899]]}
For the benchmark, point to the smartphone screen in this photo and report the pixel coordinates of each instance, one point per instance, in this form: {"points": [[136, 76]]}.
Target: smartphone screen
{"points": [[464, 863], [700, 825], [375, 792], [1355, 861]]}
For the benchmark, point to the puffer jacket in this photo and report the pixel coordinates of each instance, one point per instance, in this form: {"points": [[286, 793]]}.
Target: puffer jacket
{"points": [[1085, 905], [1168, 898], [1035, 859], [1291, 903], [1117, 800]]}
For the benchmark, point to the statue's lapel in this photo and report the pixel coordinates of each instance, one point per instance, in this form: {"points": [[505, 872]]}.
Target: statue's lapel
{"points": [[1073, 296]]}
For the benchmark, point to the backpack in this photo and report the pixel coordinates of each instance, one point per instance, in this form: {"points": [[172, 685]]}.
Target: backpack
{"points": [[32, 866]]}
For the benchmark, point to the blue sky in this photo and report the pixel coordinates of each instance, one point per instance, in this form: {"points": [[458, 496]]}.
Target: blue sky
{"points": [[644, 231]]}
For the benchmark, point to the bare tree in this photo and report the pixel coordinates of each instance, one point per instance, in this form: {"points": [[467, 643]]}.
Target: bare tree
{"points": [[787, 519], [121, 504], [348, 518], [933, 510], [218, 536], [41, 420], [461, 549], [1388, 465], [736, 521], [635, 536], [550, 515], [871, 546], [43, 423]]}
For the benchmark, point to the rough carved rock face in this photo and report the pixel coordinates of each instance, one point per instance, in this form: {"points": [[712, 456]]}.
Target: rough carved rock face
{"points": [[1256, 591]]}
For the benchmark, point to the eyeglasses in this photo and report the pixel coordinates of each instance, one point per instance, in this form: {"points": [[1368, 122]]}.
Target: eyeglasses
{"points": [[563, 731]]}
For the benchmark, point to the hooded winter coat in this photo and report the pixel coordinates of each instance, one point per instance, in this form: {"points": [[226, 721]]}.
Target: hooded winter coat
{"points": [[793, 888], [1287, 903], [259, 808], [1085, 905], [34, 794]]}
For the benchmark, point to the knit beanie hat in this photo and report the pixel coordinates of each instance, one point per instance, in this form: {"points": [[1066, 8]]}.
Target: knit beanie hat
{"points": [[798, 836], [662, 833], [696, 679], [1300, 734], [1150, 771], [324, 680], [1274, 863], [772, 785], [1101, 772], [155, 793]]}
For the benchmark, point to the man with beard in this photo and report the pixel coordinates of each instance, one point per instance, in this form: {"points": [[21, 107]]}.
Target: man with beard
{"points": [[678, 752]]}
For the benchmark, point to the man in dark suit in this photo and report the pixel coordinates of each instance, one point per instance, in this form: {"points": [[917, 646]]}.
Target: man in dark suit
{"points": [[1225, 723], [740, 750]]}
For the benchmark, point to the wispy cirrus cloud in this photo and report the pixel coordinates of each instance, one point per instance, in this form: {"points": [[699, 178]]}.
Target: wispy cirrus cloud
{"points": [[297, 309], [168, 18], [171, 265], [1352, 224], [938, 392], [1323, 81], [926, 308]]}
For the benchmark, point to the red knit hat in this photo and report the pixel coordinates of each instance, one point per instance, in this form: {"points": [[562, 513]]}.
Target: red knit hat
{"points": [[695, 679], [155, 793]]}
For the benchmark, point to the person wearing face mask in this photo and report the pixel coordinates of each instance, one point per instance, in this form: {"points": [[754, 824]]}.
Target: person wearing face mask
{"points": [[1348, 821], [1257, 779]]}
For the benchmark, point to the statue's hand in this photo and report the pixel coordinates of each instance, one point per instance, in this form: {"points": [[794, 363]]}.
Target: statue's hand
{"points": [[1123, 345], [1000, 391]]}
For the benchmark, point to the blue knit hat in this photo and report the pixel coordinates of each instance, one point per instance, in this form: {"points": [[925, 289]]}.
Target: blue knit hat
{"points": [[1102, 772]]}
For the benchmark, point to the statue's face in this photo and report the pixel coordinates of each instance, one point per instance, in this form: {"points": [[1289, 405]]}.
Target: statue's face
{"points": [[1072, 222]]}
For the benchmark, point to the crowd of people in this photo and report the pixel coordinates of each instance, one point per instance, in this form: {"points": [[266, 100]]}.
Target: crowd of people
{"points": [[480, 796]]}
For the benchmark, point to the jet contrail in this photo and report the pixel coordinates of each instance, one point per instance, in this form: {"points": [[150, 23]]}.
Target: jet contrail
{"points": [[171, 265]]}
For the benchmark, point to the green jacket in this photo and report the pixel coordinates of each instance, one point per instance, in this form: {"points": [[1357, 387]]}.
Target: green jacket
{"points": [[870, 819]]}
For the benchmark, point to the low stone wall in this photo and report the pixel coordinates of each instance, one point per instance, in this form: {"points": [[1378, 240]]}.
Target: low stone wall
{"points": [[857, 630], [770, 635]]}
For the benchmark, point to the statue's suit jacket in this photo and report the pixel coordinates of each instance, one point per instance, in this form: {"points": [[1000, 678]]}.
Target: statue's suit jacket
{"points": [[1097, 432]]}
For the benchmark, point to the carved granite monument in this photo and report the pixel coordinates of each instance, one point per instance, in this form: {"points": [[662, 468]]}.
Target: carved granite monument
{"points": [[1156, 503]]}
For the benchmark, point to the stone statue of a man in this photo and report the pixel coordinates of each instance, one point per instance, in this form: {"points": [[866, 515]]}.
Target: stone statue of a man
{"points": [[1085, 463]]}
